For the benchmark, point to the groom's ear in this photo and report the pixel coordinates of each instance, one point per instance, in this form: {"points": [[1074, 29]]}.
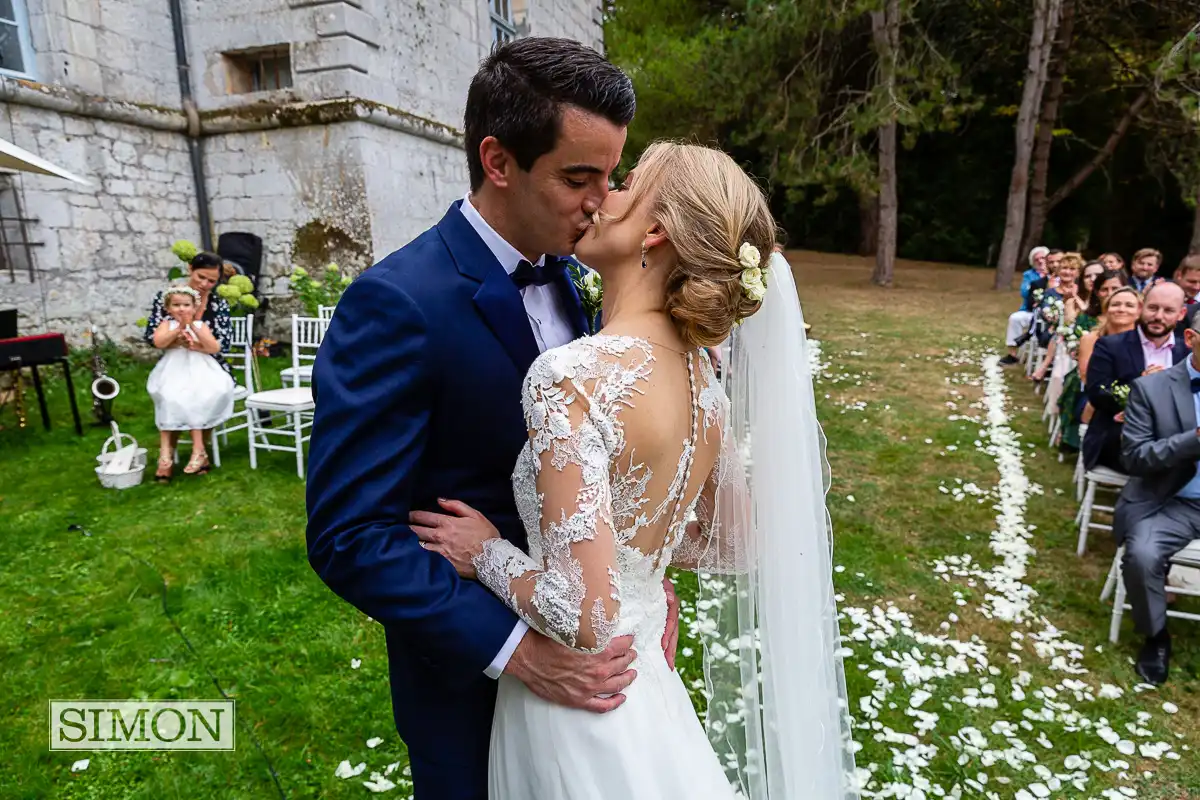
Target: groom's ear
{"points": [[497, 162]]}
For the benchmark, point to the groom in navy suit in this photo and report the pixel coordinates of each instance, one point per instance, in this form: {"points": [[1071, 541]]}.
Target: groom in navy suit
{"points": [[418, 385]]}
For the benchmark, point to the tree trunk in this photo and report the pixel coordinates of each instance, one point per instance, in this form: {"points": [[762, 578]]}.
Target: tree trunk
{"points": [[885, 29], [1045, 24], [1103, 154], [1195, 246], [1036, 222], [868, 221]]}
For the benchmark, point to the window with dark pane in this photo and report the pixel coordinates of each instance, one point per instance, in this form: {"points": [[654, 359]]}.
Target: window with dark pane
{"points": [[12, 55], [260, 70], [16, 249]]}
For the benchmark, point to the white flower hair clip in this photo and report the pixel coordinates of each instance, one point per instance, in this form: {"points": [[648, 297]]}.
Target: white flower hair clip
{"points": [[189, 291], [754, 279]]}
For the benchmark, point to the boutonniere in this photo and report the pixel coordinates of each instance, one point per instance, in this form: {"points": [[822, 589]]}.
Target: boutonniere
{"points": [[591, 293]]}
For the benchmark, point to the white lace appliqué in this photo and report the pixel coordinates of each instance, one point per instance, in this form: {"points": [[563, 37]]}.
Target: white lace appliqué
{"points": [[582, 496]]}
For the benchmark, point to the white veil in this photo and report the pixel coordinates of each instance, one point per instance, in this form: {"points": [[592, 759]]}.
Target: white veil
{"points": [[778, 714]]}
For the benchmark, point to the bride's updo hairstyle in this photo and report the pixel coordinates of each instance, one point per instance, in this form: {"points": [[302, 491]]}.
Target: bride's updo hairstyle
{"points": [[709, 208]]}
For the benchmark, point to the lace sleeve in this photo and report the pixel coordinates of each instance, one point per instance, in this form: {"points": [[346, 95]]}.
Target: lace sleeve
{"points": [[569, 590]]}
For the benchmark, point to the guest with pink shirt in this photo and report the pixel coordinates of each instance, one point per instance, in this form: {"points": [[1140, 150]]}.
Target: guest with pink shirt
{"points": [[1120, 360]]}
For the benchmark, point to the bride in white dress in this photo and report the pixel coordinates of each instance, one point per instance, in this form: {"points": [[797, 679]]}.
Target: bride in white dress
{"points": [[637, 461]]}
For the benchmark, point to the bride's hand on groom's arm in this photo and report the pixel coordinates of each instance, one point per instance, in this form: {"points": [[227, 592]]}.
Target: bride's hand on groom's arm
{"points": [[457, 535]]}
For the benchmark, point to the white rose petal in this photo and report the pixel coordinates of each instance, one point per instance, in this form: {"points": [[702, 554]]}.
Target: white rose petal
{"points": [[374, 742], [378, 783], [355, 663], [344, 770], [1170, 708], [81, 765]]}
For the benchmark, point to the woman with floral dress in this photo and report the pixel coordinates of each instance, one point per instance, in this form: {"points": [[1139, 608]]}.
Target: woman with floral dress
{"points": [[204, 273]]}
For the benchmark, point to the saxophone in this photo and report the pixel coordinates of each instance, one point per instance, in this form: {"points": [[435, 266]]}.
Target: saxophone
{"points": [[104, 388]]}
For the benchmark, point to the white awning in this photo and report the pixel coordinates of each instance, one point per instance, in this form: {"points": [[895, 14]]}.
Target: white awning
{"points": [[16, 159]]}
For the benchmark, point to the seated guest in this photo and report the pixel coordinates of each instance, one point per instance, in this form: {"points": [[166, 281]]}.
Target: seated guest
{"points": [[1019, 321], [1158, 512], [1120, 312], [1187, 275], [1144, 269], [1117, 361], [1048, 321], [1072, 403], [1112, 261]]}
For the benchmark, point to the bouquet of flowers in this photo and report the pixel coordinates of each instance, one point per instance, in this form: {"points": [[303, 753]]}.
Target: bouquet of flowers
{"points": [[1119, 392], [1038, 294], [1053, 311], [1071, 333]]}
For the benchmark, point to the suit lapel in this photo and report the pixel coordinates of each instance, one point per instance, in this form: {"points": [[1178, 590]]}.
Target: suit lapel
{"points": [[1135, 352], [568, 293], [1181, 391], [497, 299]]}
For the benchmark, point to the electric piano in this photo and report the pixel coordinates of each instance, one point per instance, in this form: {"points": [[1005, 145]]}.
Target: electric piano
{"points": [[35, 351]]}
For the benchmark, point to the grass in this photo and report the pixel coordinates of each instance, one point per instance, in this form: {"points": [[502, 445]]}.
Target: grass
{"points": [[86, 614]]}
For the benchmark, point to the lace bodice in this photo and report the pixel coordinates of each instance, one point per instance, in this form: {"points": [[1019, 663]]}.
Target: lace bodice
{"points": [[621, 449]]}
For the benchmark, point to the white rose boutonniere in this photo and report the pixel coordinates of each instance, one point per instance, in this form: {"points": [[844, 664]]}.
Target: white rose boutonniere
{"points": [[591, 294]]}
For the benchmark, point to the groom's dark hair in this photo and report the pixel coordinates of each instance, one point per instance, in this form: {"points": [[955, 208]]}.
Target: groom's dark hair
{"points": [[520, 89]]}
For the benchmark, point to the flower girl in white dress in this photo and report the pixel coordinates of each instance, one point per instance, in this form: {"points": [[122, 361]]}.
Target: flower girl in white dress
{"points": [[191, 391]]}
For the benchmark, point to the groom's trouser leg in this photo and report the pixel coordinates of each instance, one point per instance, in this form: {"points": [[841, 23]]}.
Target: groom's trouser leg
{"points": [[1148, 546]]}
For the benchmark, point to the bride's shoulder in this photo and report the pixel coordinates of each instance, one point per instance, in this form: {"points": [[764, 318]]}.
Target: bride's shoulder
{"points": [[587, 358]]}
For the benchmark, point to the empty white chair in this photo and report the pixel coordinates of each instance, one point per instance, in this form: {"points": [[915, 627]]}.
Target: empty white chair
{"points": [[307, 333], [325, 312], [289, 412], [1079, 468], [241, 361], [1099, 478], [1187, 557]]}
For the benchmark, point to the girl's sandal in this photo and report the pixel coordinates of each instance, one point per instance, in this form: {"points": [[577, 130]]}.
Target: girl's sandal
{"points": [[197, 464], [166, 466]]}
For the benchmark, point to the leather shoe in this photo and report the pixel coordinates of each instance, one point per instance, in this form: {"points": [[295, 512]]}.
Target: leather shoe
{"points": [[1154, 659]]}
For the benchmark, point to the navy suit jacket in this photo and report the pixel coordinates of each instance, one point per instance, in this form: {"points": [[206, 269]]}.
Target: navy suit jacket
{"points": [[1117, 358], [418, 396]]}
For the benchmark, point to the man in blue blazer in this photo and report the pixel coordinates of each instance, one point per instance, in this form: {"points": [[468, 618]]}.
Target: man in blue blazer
{"points": [[417, 387], [1121, 359]]}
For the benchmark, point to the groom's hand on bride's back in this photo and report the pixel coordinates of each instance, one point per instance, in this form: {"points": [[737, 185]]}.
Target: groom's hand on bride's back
{"points": [[593, 682]]}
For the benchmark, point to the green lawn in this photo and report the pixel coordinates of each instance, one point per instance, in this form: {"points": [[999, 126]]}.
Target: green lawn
{"points": [[86, 614]]}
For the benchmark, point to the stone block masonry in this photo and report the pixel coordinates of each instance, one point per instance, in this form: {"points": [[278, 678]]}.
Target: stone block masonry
{"points": [[105, 249], [360, 154]]}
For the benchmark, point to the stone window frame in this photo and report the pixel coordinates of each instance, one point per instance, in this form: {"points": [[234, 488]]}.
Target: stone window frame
{"points": [[20, 21]]}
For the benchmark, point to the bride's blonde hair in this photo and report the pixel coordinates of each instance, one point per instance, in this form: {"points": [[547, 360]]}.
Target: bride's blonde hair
{"points": [[709, 208]]}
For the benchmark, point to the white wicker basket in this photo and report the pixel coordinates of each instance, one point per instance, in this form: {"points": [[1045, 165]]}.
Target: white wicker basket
{"points": [[120, 480]]}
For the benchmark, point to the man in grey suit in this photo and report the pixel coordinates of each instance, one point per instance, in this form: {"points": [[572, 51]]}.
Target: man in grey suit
{"points": [[1158, 512]]}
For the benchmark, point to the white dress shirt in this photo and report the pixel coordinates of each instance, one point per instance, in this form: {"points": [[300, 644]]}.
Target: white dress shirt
{"points": [[551, 329], [547, 317]]}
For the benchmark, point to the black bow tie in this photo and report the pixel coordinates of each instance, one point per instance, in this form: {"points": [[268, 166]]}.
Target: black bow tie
{"points": [[527, 274], [1195, 385]]}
